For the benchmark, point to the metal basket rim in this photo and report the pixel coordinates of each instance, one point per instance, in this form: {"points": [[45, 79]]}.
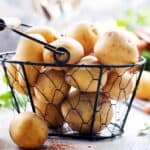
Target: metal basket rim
{"points": [[141, 61]]}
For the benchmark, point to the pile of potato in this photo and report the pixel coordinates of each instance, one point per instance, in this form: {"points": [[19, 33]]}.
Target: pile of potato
{"points": [[67, 94]]}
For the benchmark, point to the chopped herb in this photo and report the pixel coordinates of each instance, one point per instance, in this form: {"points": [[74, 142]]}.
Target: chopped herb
{"points": [[145, 131], [4, 79], [6, 98], [131, 19]]}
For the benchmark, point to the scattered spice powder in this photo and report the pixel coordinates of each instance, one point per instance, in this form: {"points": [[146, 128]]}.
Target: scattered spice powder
{"points": [[55, 144]]}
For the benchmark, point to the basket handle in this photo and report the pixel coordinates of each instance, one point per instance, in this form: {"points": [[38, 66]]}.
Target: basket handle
{"points": [[13, 22], [57, 51]]}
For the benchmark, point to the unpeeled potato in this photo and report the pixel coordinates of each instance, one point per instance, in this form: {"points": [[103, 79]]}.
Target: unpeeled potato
{"points": [[13, 79], [119, 87], [27, 130], [74, 48], [116, 47], [86, 34], [86, 78], [77, 110], [47, 32], [51, 86], [143, 90], [50, 112], [29, 50], [147, 108]]}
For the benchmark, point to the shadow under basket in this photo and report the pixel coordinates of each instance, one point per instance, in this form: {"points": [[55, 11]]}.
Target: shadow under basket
{"points": [[88, 119]]}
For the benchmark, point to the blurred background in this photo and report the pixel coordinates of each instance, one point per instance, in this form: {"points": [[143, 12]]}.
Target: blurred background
{"points": [[61, 14], [134, 15]]}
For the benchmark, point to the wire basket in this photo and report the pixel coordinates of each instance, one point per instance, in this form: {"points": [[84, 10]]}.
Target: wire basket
{"points": [[82, 115]]}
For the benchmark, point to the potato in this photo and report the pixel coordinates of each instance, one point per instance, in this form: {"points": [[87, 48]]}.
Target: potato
{"points": [[27, 130], [47, 32], [21, 79], [13, 79], [86, 34], [147, 108], [86, 78], [77, 110], [119, 87], [12, 73], [74, 48], [116, 47], [144, 86], [28, 50], [51, 113], [51, 86]]}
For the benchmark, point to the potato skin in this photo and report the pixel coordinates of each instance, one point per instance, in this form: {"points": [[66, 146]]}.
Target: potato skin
{"points": [[74, 48], [143, 90], [86, 34], [28, 50], [116, 48], [119, 87], [13, 79], [77, 111], [49, 112], [86, 79], [147, 108], [47, 32], [27, 130], [51, 86]]}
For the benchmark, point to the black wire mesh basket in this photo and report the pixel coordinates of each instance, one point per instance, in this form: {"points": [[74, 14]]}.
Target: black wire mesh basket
{"points": [[92, 111]]}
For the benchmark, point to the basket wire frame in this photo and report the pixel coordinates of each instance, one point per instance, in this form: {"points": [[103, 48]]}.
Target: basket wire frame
{"points": [[116, 126], [120, 108]]}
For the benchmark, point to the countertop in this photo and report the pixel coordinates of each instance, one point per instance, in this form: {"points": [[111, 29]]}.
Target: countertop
{"points": [[128, 141]]}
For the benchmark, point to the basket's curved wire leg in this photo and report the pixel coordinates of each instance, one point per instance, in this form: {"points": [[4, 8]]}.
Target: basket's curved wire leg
{"points": [[96, 100], [27, 86], [11, 88], [133, 94]]}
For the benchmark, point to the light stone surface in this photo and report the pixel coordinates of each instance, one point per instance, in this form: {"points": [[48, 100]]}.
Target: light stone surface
{"points": [[129, 140]]}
